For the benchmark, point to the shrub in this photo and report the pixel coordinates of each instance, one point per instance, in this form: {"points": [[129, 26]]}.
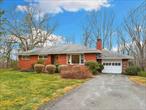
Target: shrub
{"points": [[133, 70], [51, 69], [39, 68], [142, 73], [75, 72], [93, 66], [40, 61], [101, 67], [61, 67]]}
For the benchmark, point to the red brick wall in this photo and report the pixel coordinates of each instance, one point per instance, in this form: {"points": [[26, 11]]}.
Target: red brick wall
{"points": [[99, 44], [48, 60], [62, 59], [125, 65], [90, 57], [27, 64]]}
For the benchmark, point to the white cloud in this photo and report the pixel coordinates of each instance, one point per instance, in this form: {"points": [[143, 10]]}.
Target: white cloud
{"points": [[54, 40], [58, 6], [115, 49], [21, 8]]}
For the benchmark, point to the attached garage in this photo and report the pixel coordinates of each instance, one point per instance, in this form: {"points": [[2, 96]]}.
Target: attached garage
{"points": [[112, 66], [113, 62]]}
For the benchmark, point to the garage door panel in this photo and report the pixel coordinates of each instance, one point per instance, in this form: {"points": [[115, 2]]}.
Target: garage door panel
{"points": [[112, 66]]}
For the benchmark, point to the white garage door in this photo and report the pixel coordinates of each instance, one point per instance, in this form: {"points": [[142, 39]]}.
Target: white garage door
{"points": [[112, 66]]}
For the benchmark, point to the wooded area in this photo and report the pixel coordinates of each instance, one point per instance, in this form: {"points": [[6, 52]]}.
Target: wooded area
{"points": [[131, 35]]}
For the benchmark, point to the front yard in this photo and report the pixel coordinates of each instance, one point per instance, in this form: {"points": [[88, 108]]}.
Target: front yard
{"points": [[138, 79], [28, 90]]}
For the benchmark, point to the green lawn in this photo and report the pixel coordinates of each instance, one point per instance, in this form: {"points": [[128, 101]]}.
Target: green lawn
{"points": [[28, 90]]}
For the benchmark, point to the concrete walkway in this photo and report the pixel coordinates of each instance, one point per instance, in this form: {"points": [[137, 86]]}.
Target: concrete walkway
{"points": [[105, 92]]}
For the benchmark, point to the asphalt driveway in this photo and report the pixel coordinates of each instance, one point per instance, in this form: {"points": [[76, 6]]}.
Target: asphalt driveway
{"points": [[105, 92]]}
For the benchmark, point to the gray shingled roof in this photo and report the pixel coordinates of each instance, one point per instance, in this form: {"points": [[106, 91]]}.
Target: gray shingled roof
{"points": [[71, 49], [106, 54], [62, 49]]}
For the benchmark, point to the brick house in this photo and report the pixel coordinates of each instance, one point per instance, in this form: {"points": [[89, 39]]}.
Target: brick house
{"points": [[75, 54]]}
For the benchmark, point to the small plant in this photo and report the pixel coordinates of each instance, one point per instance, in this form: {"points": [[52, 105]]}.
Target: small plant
{"points": [[93, 66], [50, 69], [133, 70], [40, 61], [142, 73], [39, 68]]}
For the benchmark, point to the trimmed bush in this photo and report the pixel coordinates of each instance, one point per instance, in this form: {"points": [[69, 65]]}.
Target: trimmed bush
{"points": [[39, 68], [50, 69], [40, 61], [93, 66], [133, 70], [75, 72], [142, 73]]}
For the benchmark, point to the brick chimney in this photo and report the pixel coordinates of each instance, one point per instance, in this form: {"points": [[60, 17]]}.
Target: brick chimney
{"points": [[99, 44]]}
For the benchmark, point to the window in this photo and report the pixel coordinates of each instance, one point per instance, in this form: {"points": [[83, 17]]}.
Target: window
{"points": [[82, 58], [69, 59], [25, 57], [43, 56], [113, 64], [54, 59], [119, 64], [76, 59]]}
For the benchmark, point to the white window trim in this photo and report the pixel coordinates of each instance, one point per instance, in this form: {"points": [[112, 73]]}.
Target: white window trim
{"points": [[69, 59]]}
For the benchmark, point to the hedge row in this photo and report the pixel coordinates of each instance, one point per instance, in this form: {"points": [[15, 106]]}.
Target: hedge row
{"points": [[75, 72], [134, 70]]}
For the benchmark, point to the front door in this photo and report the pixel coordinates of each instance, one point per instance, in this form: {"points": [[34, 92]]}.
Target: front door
{"points": [[54, 59]]}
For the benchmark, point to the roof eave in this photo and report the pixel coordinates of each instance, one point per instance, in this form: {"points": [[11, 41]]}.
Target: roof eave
{"points": [[115, 58], [56, 53]]}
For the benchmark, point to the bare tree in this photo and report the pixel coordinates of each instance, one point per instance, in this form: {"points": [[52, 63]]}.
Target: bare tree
{"points": [[100, 25], [69, 39], [6, 49], [31, 29], [87, 36], [134, 39]]}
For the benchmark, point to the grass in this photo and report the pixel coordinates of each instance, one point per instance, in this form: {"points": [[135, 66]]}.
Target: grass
{"points": [[138, 79], [28, 90]]}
